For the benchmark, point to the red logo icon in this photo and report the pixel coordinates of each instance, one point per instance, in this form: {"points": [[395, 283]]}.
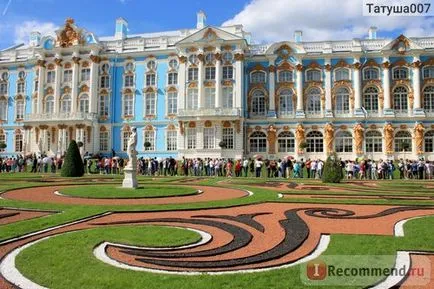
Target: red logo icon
{"points": [[316, 270]]}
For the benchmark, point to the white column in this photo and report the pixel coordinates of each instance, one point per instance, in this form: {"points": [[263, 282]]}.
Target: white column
{"points": [[201, 102], [74, 89], [417, 106], [64, 144], [299, 75], [357, 90], [328, 89], [271, 91], [199, 135], [93, 96], [239, 81], [45, 140], [41, 81], [58, 80], [218, 80], [387, 109], [182, 83]]}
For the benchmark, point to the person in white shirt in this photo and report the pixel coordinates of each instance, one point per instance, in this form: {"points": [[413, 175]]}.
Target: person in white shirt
{"points": [[319, 167], [245, 167], [258, 167]]}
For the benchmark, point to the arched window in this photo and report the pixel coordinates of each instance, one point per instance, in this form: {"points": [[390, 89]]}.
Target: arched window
{"points": [[129, 80], [258, 103], [400, 73], [149, 136], [19, 108], [374, 142], [18, 141], [191, 137], [172, 102], [258, 142], [285, 76], [344, 142], [84, 103], [228, 137], [429, 141], [20, 87], [104, 81], [209, 97], [85, 74], [208, 137], [126, 133], [228, 96], [65, 104], [342, 101], [3, 108], [171, 139], [286, 106], [370, 73], [49, 104], [228, 72], [403, 141], [428, 72], [286, 141], [257, 77], [428, 99], [128, 105], [315, 142], [193, 73], [104, 105], [103, 139], [2, 139], [150, 79], [313, 75], [314, 101], [150, 101], [370, 99], [342, 74], [400, 99], [192, 98]]}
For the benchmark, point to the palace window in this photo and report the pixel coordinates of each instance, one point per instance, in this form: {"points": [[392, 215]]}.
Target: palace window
{"points": [[403, 141], [103, 141], [428, 99], [192, 98], [209, 58], [228, 96], [5, 76], [228, 72], [193, 59], [49, 104], [103, 105], [314, 101], [173, 63], [20, 87], [172, 102], [19, 109], [371, 73], [286, 142], [258, 142], [315, 142], [429, 141], [172, 78], [286, 105], [3, 88], [149, 136], [150, 79], [125, 137], [65, 104], [228, 137], [400, 99], [208, 138], [67, 75], [313, 75], [258, 103], [21, 75], [129, 67], [171, 140], [374, 142], [85, 74], [193, 73], [35, 85], [209, 97], [400, 73], [18, 141], [129, 80], [84, 103], [105, 68], [150, 101], [257, 77], [342, 101], [428, 72], [285, 76], [151, 65], [51, 76], [342, 74], [48, 139], [128, 105], [210, 73], [344, 142], [370, 99], [3, 108], [2, 139], [191, 138], [227, 57], [104, 81]]}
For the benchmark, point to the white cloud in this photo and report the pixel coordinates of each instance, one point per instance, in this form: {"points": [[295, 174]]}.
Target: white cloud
{"points": [[277, 20], [23, 30]]}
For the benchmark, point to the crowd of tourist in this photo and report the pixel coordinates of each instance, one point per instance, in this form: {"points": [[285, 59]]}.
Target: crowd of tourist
{"points": [[217, 167]]}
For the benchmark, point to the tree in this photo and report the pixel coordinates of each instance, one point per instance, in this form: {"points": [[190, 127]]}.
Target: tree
{"points": [[73, 164], [332, 172], [3, 145], [302, 145], [147, 144]]}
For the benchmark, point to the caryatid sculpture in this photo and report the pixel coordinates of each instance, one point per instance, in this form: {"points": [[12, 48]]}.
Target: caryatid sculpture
{"points": [[388, 137], [419, 130], [300, 135], [358, 137], [329, 134]]}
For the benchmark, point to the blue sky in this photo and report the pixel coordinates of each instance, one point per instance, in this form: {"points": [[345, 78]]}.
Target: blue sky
{"points": [[268, 20]]}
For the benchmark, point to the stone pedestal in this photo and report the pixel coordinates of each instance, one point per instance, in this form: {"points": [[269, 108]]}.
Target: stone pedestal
{"points": [[130, 174]]}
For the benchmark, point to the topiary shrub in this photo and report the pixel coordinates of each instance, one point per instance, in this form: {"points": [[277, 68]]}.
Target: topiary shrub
{"points": [[222, 144], [73, 164], [3, 145], [332, 172], [147, 144]]}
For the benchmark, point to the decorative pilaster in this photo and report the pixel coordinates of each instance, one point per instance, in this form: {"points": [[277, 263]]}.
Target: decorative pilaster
{"points": [[218, 80], [238, 93], [93, 95], [357, 91], [299, 75], [74, 90], [417, 110], [182, 71], [272, 89], [57, 82], [328, 89], [201, 71], [387, 111], [41, 81]]}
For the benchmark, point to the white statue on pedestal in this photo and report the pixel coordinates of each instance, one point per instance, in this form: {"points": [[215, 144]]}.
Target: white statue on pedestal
{"points": [[130, 178]]}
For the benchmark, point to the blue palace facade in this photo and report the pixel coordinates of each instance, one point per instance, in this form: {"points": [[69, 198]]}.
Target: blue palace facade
{"points": [[211, 92]]}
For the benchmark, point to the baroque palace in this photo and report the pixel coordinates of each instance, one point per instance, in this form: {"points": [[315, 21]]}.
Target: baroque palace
{"points": [[210, 92]]}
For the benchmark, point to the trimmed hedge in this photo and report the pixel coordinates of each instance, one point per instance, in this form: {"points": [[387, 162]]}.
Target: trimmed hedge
{"points": [[73, 164], [332, 172]]}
